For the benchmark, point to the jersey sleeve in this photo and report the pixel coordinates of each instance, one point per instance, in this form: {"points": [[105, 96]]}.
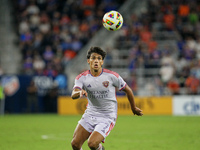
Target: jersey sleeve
{"points": [[78, 83], [119, 83]]}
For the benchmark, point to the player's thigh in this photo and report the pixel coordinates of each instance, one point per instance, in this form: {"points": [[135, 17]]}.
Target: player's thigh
{"points": [[80, 134], [95, 138]]}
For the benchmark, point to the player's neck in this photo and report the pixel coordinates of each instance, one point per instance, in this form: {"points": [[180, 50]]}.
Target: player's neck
{"points": [[96, 73]]}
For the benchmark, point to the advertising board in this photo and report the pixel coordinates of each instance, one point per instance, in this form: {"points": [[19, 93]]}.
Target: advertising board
{"points": [[186, 105], [149, 105]]}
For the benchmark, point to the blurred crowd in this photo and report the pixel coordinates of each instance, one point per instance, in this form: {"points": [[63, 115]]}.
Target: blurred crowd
{"points": [[165, 21], [52, 32]]}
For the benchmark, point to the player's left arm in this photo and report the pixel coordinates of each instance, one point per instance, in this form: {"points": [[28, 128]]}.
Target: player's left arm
{"points": [[130, 96]]}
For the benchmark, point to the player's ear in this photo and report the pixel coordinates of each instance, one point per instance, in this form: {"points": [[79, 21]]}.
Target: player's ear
{"points": [[102, 63], [88, 61]]}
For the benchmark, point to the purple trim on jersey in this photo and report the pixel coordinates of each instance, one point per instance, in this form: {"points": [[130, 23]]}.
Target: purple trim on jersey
{"points": [[123, 87], [77, 87], [111, 72]]}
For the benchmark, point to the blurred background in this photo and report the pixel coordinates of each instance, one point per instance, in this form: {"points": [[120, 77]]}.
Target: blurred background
{"points": [[43, 45]]}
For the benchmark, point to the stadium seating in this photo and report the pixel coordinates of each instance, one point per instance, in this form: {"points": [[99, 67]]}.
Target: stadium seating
{"points": [[158, 47]]}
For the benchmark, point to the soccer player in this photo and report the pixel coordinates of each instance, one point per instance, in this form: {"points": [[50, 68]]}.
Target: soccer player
{"points": [[99, 86]]}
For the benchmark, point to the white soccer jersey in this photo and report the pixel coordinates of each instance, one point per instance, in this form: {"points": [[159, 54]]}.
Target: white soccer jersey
{"points": [[101, 92]]}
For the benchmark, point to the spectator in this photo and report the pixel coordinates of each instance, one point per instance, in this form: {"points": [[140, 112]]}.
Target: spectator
{"points": [[169, 19], [28, 66], [197, 48], [32, 100], [173, 86], [150, 88], [180, 64], [167, 69], [145, 35], [32, 8], [183, 11], [189, 53], [38, 63], [192, 84], [193, 17], [48, 54], [23, 26], [50, 70]]}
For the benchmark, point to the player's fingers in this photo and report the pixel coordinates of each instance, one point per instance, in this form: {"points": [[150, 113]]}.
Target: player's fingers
{"points": [[139, 112], [81, 93], [84, 93]]}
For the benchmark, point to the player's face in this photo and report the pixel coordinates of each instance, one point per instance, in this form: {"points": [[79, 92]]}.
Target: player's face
{"points": [[95, 61]]}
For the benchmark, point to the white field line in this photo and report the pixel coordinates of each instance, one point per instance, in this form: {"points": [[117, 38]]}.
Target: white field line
{"points": [[53, 137]]}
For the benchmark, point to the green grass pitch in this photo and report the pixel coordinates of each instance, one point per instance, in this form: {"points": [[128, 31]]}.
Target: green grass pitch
{"points": [[54, 132]]}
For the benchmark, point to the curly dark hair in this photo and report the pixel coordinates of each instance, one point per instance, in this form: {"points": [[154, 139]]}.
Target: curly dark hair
{"points": [[97, 50]]}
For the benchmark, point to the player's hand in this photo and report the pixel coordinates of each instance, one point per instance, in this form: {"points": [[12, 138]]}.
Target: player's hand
{"points": [[78, 93], [137, 111], [83, 93]]}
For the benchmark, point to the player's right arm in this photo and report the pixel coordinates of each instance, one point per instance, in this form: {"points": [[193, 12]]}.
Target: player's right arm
{"points": [[77, 93]]}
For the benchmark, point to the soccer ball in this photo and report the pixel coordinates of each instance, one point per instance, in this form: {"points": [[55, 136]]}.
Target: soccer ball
{"points": [[112, 20]]}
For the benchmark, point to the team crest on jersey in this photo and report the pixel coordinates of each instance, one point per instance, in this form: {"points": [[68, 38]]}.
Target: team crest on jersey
{"points": [[106, 83]]}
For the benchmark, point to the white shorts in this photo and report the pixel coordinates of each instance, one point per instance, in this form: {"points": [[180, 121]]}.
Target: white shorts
{"points": [[99, 124]]}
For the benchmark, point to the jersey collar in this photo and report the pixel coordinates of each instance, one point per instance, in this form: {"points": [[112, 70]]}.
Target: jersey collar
{"points": [[98, 75]]}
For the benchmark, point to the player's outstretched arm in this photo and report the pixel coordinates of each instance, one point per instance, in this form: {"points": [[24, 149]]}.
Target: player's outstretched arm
{"points": [[130, 96], [77, 93]]}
